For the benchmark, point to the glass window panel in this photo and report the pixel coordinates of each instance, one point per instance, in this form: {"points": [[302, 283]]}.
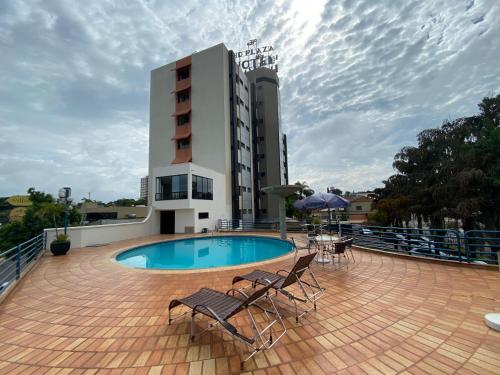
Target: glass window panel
{"points": [[183, 182], [175, 184]]}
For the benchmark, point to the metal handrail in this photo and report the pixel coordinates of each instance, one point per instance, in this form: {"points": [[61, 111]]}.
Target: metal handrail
{"points": [[14, 261], [475, 246]]}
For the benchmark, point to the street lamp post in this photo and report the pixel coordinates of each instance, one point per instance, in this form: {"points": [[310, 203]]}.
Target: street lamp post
{"points": [[65, 198]]}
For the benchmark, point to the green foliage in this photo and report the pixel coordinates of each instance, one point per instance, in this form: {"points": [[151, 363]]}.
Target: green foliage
{"points": [[453, 172], [61, 238], [127, 202], [304, 191], [43, 213], [335, 191], [141, 202], [11, 234]]}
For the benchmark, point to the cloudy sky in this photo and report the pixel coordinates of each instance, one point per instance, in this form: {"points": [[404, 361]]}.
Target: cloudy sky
{"points": [[359, 80]]}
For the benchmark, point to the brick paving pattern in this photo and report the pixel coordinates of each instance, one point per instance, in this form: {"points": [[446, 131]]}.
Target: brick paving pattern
{"points": [[84, 314]]}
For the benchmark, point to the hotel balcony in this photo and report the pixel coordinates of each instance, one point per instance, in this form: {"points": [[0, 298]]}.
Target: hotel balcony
{"points": [[382, 314]]}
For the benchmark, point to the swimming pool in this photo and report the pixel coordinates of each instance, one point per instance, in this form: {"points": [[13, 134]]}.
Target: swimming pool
{"points": [[204, 252]]}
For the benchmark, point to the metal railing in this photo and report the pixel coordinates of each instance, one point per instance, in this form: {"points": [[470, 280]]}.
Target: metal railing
{"points": [[247, 225], [482, 245], [475, 246], [433, 243], [166, 196], [14, 261]]}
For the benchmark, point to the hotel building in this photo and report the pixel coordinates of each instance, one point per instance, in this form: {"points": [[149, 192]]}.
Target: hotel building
{"points": [[202, 151]]}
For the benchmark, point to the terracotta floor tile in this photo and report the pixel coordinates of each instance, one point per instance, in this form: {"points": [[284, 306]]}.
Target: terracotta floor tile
{"points": [[84, 314]]}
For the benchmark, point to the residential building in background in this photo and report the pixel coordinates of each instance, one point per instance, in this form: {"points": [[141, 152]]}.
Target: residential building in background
{"points": [[93, 213], [144, 188], [359, 209], [202, 151]]}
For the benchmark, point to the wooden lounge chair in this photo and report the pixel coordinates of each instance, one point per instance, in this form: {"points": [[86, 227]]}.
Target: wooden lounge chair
{"points": [[295, 276], [221, 306]]}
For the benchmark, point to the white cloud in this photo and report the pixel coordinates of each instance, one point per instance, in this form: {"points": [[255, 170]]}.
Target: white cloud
{"points": [[359, 79]]}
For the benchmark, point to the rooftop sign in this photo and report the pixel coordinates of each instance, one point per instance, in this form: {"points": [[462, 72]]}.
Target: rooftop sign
{"points": [[256, 57]]}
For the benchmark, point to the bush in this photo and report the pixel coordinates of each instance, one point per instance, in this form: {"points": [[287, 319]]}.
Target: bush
{"points": [[61, 238]]}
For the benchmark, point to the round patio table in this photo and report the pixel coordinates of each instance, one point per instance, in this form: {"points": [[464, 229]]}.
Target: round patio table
{"points": [[321, 239]]}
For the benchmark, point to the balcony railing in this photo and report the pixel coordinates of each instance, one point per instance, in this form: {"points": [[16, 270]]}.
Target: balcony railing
{"points": [[14, 261], [201, 195], [171, 196]]}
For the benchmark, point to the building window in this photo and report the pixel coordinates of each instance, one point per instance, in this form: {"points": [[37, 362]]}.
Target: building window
{"points": [[246, 107], [183, 119], [246, 88], [248, 148], [262, 174], [359, 208], [241, 81], [249, 210], [182, 144], [261, 156], [264, 211], [244, 211], [248, 128], [202, 215], [249, 190], [241, 102], [183, 73], [183, 96], [261, 138], [202, 188], [248, 168], [171, 187], [261, 121]]}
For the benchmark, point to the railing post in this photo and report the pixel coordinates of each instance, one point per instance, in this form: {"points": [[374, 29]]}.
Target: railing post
{"points": [[18, 261], [459, 245], [466, 246]]}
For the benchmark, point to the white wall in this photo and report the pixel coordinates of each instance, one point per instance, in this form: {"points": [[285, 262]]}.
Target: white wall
{"points": [[183, 219], [187, 209], [102, 234]]}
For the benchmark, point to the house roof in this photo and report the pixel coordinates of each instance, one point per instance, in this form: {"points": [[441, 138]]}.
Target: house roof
{"points": [[361, 199]]}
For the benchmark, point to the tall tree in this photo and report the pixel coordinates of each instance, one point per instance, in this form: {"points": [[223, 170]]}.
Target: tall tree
{"points": [[453, 172]]}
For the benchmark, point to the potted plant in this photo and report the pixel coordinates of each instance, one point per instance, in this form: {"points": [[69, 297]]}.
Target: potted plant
{"points": [[51, 211], [61, 244]]}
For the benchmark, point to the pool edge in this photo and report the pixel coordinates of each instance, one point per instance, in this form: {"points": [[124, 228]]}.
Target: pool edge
{"points": [[202, 270]]}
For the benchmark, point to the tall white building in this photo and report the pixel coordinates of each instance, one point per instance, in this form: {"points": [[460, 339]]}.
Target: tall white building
{"points": [[144, 188], [200, 143]]}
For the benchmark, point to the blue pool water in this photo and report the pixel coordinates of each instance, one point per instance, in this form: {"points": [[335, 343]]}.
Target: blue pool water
{"points": [[204, 252]]}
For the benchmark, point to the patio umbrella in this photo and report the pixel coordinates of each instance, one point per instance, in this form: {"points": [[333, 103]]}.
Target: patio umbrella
{"points": [[320, 201]]}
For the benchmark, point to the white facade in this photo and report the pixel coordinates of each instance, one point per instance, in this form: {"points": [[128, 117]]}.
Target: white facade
{"points": [[187, 210], [209, 140]]}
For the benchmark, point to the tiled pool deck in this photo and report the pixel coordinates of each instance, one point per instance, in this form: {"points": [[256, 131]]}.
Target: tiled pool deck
{"points": [[84, 314]]}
